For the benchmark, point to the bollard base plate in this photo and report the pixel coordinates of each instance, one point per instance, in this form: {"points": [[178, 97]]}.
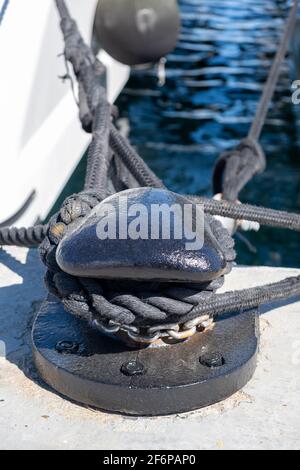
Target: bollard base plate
{"points": [[82, 365]]}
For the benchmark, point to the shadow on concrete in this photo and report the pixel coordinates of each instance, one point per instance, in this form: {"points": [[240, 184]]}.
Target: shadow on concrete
{"points": [[21, 293]]}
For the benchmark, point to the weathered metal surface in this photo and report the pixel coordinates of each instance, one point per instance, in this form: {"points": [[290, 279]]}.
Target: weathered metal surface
{"points": [[264, 415], [89, 368], [194, 257]]}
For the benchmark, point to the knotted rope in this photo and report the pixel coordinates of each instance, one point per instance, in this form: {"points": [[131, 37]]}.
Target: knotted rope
{"points": [[92, 97], [32, 237], [236, 168], [141, 305], [145, 311]]}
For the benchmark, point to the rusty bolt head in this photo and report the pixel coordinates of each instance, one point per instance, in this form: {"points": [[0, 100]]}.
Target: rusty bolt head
{"points": [[212, 360], [133, 368], [67, 347]]}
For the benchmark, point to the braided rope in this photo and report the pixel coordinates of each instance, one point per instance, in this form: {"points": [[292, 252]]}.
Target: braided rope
{"points": [[262, 215], [23, 237], [141, 305], [247, 299], [92, 95], [90, 298], [33, 236], [236, 168]]}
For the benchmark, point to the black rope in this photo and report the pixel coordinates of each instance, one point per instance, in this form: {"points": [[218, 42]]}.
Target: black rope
{"points": [[236, 168], [30, 237], [144, 305], [140, 304], [99, 152], [137, 304], [247, 299], [261, 215], [92, 95], [270, 86], [133, 162]]}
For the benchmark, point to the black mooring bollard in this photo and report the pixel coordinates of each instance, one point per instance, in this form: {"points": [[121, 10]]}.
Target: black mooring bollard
{"points": [[144, 235], [158, 380], [122, 349]]}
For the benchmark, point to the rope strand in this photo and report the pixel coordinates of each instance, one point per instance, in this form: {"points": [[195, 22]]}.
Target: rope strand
{"points": [[236, 168], [246, 299], [90, 299], [30, 237], [262, 215], [270, 86]]}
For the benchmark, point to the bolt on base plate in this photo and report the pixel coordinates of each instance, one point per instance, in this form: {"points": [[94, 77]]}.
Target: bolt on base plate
{"points": [[81, 364]]}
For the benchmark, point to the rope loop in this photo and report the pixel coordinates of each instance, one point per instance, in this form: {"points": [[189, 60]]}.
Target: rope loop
{"points": [[237, 167], [149, 311], [127, 304]]}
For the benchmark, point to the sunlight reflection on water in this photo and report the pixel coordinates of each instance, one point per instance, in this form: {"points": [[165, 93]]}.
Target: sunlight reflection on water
{"points": [[214, 81]]}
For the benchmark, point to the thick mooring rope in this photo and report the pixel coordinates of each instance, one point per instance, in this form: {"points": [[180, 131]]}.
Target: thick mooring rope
{"points": [[140, 309], [270, 85], [32, 237], [92, 96], [261, 215], [139, 305]]}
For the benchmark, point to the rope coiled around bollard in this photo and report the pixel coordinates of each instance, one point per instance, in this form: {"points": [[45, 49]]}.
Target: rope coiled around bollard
{"points": [[33, 236], [144, 305], [143, 309], [141, 305]]}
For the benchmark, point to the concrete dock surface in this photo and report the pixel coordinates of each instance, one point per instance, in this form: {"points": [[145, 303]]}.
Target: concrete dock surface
{"points": [[265, 415]]}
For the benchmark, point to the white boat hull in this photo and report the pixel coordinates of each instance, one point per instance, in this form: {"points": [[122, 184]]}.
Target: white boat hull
{"points": [[41, 139]]}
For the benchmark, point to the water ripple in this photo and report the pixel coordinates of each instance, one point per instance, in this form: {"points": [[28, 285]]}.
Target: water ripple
{"points": [[214, 81]]}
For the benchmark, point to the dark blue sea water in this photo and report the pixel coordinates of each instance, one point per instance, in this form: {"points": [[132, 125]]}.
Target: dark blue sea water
{"points": [[214, 80]]}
